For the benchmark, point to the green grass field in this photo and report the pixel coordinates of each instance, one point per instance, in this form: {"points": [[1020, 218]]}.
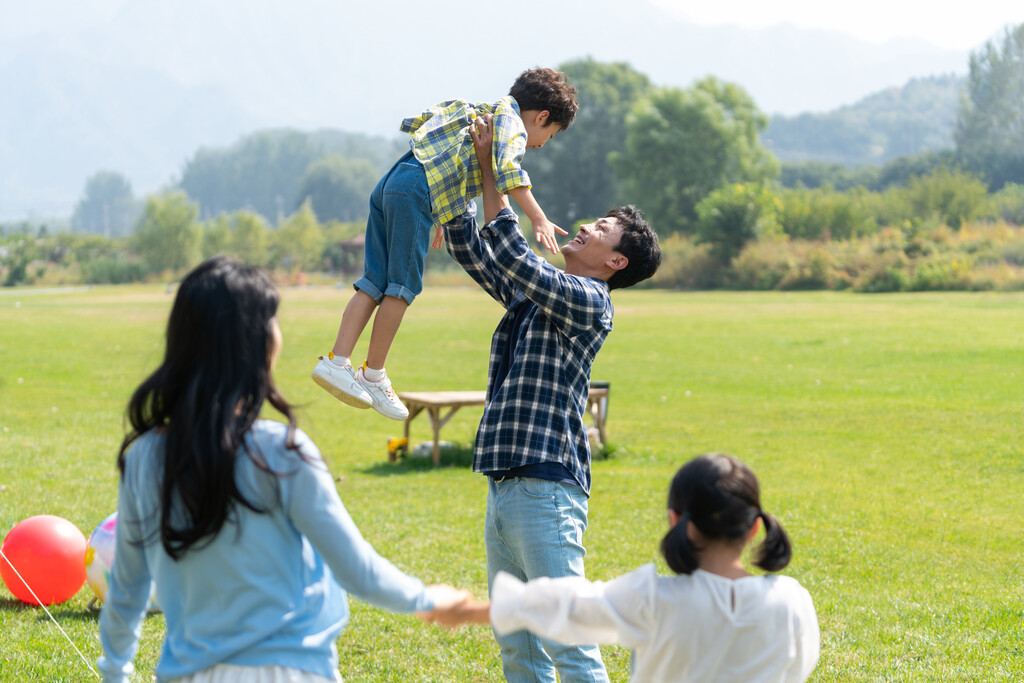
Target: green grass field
{"points": [[885, 430]]}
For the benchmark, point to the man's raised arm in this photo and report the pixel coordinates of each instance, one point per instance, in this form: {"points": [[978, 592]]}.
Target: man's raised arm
{"points": [[482, 130]]}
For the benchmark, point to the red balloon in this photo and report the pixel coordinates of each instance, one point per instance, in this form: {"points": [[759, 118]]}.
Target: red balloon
{"points": [[49, 554]]}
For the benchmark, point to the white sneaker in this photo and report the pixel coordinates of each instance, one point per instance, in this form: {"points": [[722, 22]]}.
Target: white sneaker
{"points": [[340, 381], [384, 399]]}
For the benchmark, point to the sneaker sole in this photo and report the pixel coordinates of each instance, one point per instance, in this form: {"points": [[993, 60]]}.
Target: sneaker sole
{"points": [[400, 418], [337, 393]]}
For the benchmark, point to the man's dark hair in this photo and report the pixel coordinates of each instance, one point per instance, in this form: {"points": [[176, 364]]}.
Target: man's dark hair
{"points": [[546, 89], [639, 244]]}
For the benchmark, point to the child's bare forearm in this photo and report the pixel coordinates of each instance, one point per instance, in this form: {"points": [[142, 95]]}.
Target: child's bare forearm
{"points": [[543, 229], [524, 198]]}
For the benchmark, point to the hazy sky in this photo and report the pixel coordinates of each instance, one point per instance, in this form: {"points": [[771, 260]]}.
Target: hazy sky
{"points": [[960, 26]]}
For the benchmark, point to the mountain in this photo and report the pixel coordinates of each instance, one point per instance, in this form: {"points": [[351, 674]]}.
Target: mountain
{"points": [[894, 122], [144, 83]]}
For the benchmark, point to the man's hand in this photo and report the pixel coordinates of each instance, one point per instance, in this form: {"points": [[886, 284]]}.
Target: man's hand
{"points": [[453, 607], [482, 132], [447, 599]]}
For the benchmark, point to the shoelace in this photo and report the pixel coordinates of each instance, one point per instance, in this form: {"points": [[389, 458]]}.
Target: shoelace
{"points": [[339, 367]]}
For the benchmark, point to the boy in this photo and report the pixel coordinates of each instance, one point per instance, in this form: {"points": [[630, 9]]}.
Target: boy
{"points": [[434, 184]]}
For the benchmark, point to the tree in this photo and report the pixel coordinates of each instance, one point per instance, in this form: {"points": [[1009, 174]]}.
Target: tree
{"points": [[299, 241], [249, 241], [990, 125], [108, 206], [338, 188], [572, 176], [683, 144], [261, 173], [731, 216], [954, 196], [167, 236], [216, 236]]}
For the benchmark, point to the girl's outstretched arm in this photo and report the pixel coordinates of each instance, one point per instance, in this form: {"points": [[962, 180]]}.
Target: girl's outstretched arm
{"points": [[573, 610]]}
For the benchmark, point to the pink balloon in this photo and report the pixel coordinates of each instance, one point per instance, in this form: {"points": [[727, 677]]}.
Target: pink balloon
{"points": [[49, 553]]}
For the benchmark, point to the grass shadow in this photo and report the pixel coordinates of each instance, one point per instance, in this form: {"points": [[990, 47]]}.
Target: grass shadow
{"points": [[59, 613], [65, 615], [461, 455], [456, 455], [15, 605]]}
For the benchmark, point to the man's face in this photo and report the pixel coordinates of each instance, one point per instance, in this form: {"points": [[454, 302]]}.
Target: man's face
{"points": [[596, 243]]}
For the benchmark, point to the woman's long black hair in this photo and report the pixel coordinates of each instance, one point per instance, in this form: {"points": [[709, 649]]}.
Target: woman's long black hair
{"points": [[206, 395], [721, 496]]}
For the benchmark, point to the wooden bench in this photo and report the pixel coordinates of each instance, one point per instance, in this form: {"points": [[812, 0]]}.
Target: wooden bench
{"points": [[433, 402]]}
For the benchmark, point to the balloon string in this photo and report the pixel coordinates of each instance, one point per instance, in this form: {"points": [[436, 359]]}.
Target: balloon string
{"points": [[11, 565]]}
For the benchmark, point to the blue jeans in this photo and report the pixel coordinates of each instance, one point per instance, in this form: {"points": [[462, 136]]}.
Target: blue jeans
{"points": [[398, 233], [534, 528]]}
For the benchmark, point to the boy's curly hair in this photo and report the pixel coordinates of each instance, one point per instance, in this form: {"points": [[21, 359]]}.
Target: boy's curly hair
{"points": [[546, 89]]}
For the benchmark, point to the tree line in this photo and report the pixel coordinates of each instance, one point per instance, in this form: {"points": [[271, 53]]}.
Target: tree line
{"points": [[693, 158]]}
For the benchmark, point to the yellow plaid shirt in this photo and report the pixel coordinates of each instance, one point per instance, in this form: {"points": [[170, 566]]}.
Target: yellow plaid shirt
{"points": [[442, 143]]}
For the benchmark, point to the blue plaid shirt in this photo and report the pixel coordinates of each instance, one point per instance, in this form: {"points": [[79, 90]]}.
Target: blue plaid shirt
{"points": [[536, 414]]}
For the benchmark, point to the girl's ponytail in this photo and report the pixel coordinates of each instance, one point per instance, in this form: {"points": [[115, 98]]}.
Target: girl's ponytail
{"points": [[678, 550], [775, 550]]}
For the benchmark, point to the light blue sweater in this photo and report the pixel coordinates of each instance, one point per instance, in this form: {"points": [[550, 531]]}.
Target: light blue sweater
{"points": [[266, 590]]}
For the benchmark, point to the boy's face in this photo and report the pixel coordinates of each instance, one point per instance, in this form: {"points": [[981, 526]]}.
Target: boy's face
{"points": [[538, 130]]}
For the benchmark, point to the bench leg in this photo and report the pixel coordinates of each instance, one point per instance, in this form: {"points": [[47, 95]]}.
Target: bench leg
{"points": [[413, 412], [597, 412], [435, 423]]}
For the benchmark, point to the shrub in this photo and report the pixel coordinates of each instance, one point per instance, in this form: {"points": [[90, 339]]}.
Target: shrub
{"points": [[1001, 277], [945, 275], [886, 274], [685, 265], [1013, 253], [826, 214], [734, 215], [953, 196], [761, 266], [816, 270], [1008, 203], [112, 270]]}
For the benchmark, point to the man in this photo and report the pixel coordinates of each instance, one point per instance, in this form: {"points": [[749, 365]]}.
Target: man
{"points": [[532, 443]]}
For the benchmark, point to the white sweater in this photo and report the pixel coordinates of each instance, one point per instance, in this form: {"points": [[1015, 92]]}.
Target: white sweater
{"points": [[687, 629]]}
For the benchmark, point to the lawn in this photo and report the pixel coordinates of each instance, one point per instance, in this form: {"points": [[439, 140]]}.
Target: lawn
{"points": [[885, 430]]}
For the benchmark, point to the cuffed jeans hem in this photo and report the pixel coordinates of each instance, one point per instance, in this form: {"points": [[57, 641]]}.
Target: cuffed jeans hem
{"points": [[400, 292], [371, 290]]}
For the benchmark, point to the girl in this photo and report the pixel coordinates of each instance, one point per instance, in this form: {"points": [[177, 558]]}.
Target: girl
{"points": [[236, 519], [713, 622]]}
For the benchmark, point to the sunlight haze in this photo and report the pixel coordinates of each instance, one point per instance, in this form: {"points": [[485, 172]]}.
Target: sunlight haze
{"points": [[873, 20]]}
